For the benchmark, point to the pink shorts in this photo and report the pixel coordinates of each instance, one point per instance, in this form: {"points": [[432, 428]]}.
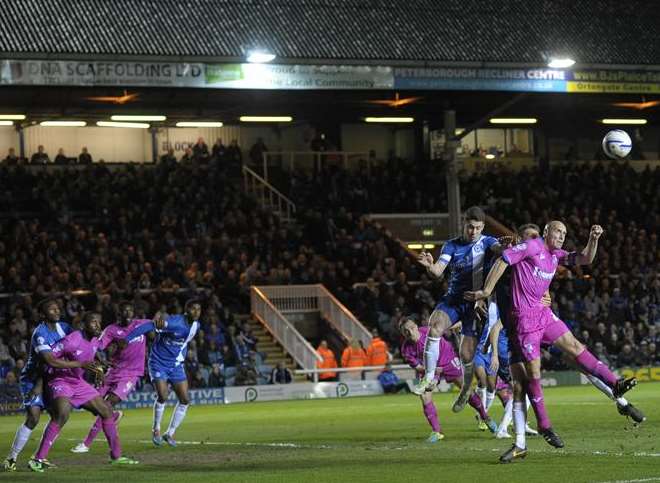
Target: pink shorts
{"points": [[554, 330], [525, 347], [452, 370], [118, 384], [449, 362], [77, 391]]}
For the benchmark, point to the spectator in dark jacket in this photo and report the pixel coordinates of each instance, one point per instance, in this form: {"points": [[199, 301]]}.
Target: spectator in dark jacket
{"points": [[627, 357], [216, 378], [281, 375], [40, 157], [84, 157], [201, 151]]}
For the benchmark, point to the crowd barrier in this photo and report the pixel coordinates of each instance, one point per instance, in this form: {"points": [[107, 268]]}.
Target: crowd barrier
{"points": [[10, 401]]}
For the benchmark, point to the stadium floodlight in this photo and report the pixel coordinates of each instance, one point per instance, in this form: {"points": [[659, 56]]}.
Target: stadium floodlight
{"points": [[513, 120], [63, 123], [12, 117], [390, 119], [266, 119], [561, 63], [429, 246], [6, 123], [260, 57], [415, 246], [199, 124], [637, 122], [137, 118], [133, 125]]}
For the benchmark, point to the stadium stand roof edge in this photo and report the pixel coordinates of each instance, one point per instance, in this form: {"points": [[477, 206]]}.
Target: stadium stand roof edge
{"points": [[524, 32]]}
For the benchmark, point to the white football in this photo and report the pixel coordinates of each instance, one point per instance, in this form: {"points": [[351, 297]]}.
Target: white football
{"points": [[617, 144]]}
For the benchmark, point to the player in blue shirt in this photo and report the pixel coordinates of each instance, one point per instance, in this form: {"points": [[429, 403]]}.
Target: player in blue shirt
{"points": [[166, 364], [47, 333], [486, 369], [491, 366], [467, 258]]}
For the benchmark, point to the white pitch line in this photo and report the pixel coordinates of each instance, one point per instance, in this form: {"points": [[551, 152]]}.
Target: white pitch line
{"points": [[391, 448], [653, 478]]}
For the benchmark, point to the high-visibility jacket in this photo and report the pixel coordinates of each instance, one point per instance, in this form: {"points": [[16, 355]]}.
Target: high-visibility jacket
{"points": [[329, 362], [353, 357], [377, 352]]}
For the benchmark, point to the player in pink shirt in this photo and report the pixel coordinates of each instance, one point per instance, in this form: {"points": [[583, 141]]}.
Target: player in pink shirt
{"points": [[127, 366], [448, 366], [535, 262], [69, 390]]}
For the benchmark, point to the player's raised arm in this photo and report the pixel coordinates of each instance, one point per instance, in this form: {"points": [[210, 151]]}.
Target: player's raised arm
{"points": [[586, 257], [438, 268], [158, 324]]}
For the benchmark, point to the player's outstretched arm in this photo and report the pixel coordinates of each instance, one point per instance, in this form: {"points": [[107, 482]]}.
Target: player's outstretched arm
{"points": [[159, 323], [586, 257], [53, 361], [494, 275], [493, 338], [436, 269]]}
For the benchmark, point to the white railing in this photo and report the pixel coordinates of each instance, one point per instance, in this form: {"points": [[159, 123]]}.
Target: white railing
{"points": [[309, 160], [292, 298], [342, 318], [267, 195], [285, 333], [316, 298]]}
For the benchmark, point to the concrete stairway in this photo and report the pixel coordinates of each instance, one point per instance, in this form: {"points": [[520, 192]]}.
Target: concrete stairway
{"points": [[274, 352]]}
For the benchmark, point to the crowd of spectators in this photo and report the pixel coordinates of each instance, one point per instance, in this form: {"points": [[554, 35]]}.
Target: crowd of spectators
{"points": [[153, 234]]}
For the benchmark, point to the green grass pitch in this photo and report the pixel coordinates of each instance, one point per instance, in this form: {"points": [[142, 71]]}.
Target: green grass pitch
{"points": [[375, 439]]}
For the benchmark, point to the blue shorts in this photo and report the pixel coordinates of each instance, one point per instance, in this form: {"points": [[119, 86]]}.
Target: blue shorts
{"points": [[460, 310], [172, 374], [35, 400], [483, 360]]}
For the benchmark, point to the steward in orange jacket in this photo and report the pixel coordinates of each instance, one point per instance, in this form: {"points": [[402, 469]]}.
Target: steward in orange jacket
{"points": [[353, 355], [377, 353], [329, 362]]}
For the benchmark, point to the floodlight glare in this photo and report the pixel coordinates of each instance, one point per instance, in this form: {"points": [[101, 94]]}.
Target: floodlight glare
{"points": [[133, 125], [63, 123], [390, 119], [638, 122], [130, 118], [513, 120], [266, 119], [561, 63], [260, 57], [199, 124]]}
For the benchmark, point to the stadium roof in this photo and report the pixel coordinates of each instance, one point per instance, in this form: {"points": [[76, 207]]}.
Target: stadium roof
{"points": [[594, 32]]}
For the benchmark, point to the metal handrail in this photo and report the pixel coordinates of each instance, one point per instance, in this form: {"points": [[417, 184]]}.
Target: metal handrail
{"points": [[269, 196], [317, 298], [338, 315], [283, 331]]}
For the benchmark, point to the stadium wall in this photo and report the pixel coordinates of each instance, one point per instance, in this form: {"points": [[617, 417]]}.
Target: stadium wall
{"points": [[109, 144], [8, 139], [380, 139]]}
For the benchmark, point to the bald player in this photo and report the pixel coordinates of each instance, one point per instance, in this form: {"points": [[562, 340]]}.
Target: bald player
{"points": [[534, 263]]}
